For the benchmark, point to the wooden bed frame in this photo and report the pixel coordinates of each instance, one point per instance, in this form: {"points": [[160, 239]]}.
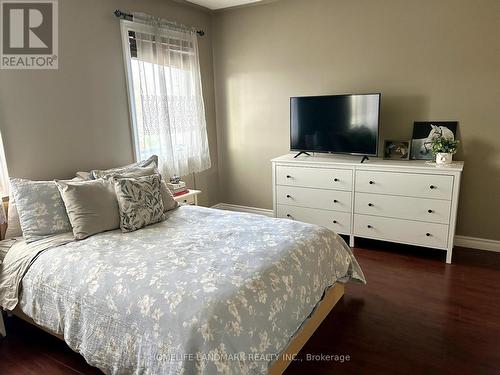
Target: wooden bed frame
{"points": [[332, 296]]}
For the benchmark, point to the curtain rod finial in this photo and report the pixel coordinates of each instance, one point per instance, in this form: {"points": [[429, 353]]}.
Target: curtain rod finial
{"points": [[119, 14]]}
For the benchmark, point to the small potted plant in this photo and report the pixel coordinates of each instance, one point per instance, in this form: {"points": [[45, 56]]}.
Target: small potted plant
{"points": [[444, 148]]}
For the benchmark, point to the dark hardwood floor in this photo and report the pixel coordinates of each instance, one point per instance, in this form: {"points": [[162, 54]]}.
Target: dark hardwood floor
{"points": [[416, 315]]}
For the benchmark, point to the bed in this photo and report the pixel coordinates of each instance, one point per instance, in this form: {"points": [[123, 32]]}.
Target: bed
{"points": [[205, 291]]}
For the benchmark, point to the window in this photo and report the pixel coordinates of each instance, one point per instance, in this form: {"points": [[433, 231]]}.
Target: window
{"points": [[165, 96]]}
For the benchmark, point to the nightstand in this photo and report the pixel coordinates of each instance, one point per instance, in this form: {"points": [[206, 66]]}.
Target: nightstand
{"points": [[191, 197]]}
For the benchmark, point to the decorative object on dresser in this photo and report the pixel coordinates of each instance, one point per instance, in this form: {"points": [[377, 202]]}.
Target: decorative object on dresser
{"points": [[190, 197], [425, 132], [408, 202], [444, 148], [397, 150]]}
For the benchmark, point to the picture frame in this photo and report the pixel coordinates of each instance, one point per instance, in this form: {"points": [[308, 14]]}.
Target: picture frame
{"points": [[424, 131], [396, 150]]}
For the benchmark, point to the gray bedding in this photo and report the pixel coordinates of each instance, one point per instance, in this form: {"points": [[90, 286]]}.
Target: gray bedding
{"points": [[206, 291]]}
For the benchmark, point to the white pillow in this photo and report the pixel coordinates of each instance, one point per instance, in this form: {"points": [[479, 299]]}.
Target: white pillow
{"points": [[13, 224], [5, 245]]}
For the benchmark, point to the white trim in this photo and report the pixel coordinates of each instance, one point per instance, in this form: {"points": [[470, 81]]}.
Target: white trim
{"points": [[251, 210], [477, 243], [462, 241], [125, 26]]}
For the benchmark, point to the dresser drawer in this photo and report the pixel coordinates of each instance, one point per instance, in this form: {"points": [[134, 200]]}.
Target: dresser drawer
{"points": [[421, 209], [339, 222], [407, 184], [321, 178], [314, 198], [399, 230]]}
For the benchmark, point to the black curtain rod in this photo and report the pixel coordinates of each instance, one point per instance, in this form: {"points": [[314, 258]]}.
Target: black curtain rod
{"points": [[129, 17]]}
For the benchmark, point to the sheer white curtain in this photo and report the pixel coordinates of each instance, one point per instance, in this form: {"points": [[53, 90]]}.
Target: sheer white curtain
{"points": [[4, 181], [168, 114], [4, 174]]}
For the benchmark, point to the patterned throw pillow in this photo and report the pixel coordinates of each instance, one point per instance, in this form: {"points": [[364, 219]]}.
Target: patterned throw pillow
{"points": [[169, 203], [41, 209], [140, 201]]}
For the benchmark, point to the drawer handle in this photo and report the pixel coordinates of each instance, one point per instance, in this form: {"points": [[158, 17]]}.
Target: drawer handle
{"points": [[288, 196], [432, 187], [334, 221], [428, 234], [371, 182], [335, 201], [430, 211], [288, 215], [370, 204], [336, 179], [288, 176], [369, 226]]}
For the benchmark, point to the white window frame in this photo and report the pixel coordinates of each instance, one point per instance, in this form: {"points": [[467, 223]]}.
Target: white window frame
{"points": [[125, 27]]}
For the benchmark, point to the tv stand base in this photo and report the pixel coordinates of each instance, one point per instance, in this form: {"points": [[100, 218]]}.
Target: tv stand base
{"points": [[364, 158], [302, 152]]}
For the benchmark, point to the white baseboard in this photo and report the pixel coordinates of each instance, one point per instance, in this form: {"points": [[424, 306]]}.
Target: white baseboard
{"points": [[462, 241], [477, 243]]}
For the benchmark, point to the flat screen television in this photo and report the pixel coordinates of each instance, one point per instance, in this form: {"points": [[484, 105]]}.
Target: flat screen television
{"points": [[343, 124]]}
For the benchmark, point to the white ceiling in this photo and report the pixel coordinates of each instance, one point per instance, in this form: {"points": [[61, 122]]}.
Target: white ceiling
{"points": [[219, 4]]}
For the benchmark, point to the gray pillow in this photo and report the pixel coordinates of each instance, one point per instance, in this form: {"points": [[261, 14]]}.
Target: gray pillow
{"points": [[13, 224], [140, 201], [169, 203], [132, 172], [151, 161], [41, 209], [82, 175], [91, 206]]}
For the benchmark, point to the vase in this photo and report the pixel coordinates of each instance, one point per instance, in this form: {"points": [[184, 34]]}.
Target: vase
{"points": [[444, 158]]}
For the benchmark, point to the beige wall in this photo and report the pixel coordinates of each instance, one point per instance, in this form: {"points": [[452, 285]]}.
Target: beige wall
{"points": [[76, 118], [431, 59]]}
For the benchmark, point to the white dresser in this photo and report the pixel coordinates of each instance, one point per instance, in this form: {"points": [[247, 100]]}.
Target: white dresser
{"points": [[410, 202]]}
